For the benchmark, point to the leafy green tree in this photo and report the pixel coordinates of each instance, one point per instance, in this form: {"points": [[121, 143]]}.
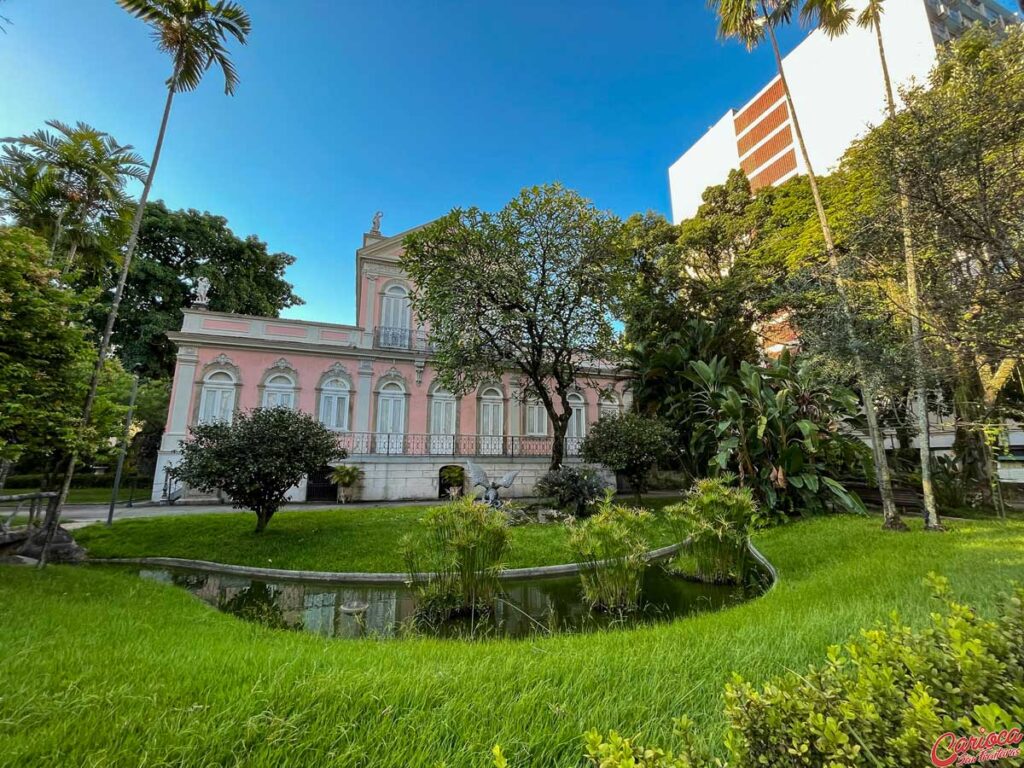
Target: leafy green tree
{"points": [[835, 17], [529, 289], [783, 432], [693, 271], [194, 34], [256, 458], [175, 249], [751, 21], [45, 359], [630, 444], [41, 349]]}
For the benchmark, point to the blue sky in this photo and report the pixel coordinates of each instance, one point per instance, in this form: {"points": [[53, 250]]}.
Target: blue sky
{"points": [[413, 108]]}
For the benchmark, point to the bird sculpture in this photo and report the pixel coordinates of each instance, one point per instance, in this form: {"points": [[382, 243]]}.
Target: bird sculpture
{"points": [[478, 476]]}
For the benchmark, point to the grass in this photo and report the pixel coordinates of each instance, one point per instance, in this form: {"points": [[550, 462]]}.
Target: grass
{"points": [[104, 669], [347, 539]]}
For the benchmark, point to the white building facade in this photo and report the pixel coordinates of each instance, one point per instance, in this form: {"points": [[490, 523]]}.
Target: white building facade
{"points": [[838, 94]]}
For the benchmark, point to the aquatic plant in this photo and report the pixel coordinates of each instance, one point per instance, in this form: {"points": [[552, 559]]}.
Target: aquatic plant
{"points": [[610, 548], [717, 519], [456, 565]]}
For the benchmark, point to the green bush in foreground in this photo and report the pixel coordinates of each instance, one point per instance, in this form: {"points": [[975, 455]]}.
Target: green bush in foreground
{"points": [[717, 519], [610, 547], [892, 698]]}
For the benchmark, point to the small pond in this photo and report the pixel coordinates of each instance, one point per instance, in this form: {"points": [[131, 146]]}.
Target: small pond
{"points": [[526, 608]]}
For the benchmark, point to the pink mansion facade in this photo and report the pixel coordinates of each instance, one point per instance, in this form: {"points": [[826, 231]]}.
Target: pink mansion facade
{"points": [[374, 385]]}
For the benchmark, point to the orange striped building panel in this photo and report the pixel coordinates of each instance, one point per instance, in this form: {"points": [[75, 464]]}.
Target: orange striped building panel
{"points": [[769, 123], [775, 171], [767, 151], [759, 106]]}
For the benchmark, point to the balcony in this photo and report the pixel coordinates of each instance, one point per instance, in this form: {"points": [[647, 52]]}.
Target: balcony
{"points": [[370, 444], [405, 339]]}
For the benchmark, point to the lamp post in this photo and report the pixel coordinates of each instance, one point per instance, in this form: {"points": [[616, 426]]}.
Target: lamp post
{"points": [[124, 449]]}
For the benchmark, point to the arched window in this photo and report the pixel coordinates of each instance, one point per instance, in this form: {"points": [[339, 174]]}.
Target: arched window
{"points": [[492, 421], [391, 418], [217, 399], [577, 427], [334, 402], [536, 418], [442, 422], [279, 391], [610, 405], [394, 318]]}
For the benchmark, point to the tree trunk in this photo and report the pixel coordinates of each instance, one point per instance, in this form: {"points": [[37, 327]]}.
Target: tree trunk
{"points": [[889, 511], [931, 514], [560, 425], [53, 511], [5, 469], [72, 251], [262, 518]]}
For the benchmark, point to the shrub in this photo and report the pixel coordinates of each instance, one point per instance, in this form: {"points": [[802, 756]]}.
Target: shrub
{"points": [[610, 548], [347, 477], [894, 697], [629, 444], [465, 546], [573, 488], [783, 431], [717, 518], [256, 458]]}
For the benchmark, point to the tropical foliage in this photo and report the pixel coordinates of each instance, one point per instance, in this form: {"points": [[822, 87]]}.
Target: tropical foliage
{"points": [[572, 488], [783, 432], [456, 566]]}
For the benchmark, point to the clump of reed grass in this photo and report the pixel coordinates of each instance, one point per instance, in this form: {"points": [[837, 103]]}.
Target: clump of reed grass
{"points": [[717, 518], [455, 566], [610, 547]]}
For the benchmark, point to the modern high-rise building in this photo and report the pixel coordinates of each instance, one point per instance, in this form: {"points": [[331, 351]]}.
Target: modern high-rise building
{"points": [[838, 94]]}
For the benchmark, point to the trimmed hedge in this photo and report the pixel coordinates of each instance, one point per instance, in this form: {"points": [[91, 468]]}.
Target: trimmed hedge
{"points": [[83, 480]]}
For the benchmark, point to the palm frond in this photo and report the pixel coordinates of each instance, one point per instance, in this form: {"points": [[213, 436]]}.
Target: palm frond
{"points": [[833, 17]]}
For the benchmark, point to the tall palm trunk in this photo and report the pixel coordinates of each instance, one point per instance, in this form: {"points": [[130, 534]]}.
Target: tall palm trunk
{"points": [[53, 511], [931, 515], [69, 262], [889, 511]]}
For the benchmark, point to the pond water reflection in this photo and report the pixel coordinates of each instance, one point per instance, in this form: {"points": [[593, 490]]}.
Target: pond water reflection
{"points": [[526, 608]]}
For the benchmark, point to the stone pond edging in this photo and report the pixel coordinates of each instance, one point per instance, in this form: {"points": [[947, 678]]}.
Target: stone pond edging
{"points": [[341, 577]]}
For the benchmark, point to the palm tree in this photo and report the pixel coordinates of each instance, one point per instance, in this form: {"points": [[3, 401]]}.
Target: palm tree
{"points": [[194, 34], [834, 17], [750, 21], [85, 167]]}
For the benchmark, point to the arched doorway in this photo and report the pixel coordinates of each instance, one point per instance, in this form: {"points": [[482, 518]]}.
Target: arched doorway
{"points": [[449, 477]]}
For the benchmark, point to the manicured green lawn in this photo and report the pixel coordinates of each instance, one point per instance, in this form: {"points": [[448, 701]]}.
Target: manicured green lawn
{"points": [[102, 668], [347, 539]]}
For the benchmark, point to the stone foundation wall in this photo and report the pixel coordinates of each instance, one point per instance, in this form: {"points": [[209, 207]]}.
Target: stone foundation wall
{"points": [[397, 478], [417, 477]]}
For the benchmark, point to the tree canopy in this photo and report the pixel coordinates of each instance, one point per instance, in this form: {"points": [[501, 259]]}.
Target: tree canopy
{"points": [[175, 249], [530, 289]]}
